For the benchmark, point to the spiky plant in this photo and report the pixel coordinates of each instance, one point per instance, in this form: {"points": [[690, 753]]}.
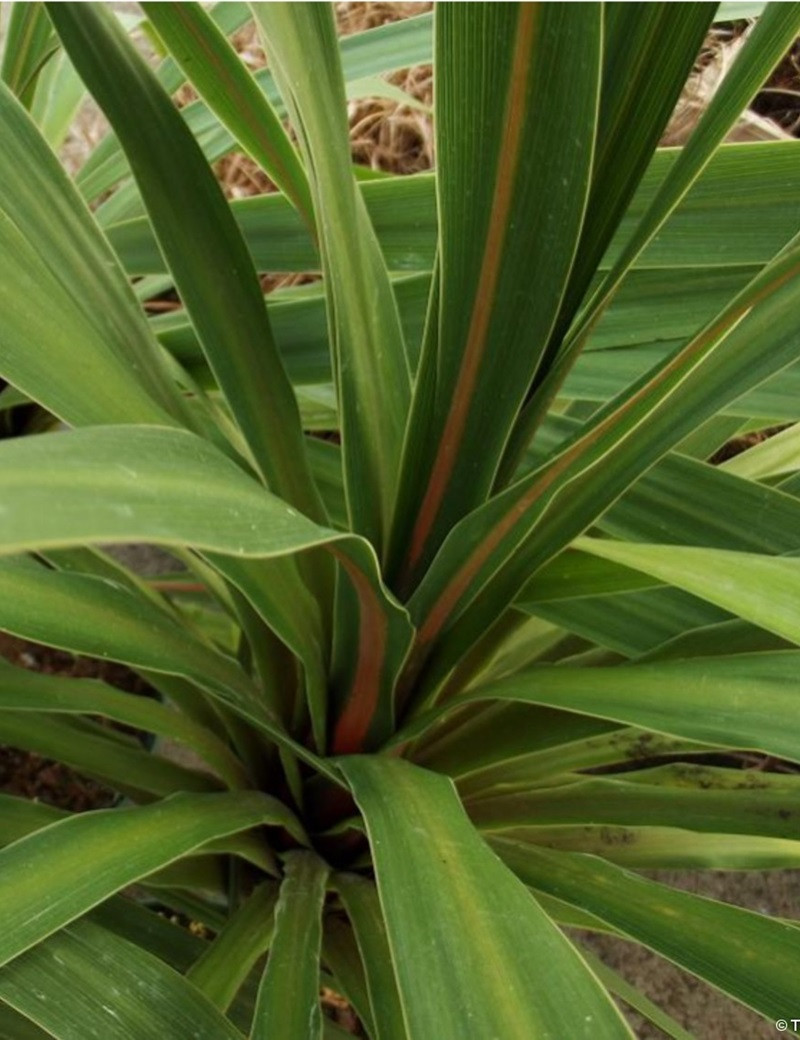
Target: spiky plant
{"points": [[445, 676]]}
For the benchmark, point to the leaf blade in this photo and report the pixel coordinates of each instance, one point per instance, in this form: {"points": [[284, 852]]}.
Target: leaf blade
{"points": [[288, 997], [126, 844], [435, 894]]}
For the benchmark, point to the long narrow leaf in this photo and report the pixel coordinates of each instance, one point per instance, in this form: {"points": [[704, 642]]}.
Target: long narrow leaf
{"points": [[86, 981], [739, 701], [360, 899], [701, 798], [757, 963], [63, 291], [509, 538], [288, 998], [123, 845], [773, 34], [216, 71], [761, 589], [370, 363], [473, 953], [29, 43], [509, 226], [24, 690], [226, 963], [205, 252]]}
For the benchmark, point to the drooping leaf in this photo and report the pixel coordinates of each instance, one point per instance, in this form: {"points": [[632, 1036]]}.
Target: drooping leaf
{"points": [[43, 885], [738, 701], [122, 765], [702, 798], [167, 487], [473, 952], [62, 291], [762, 589], [25, 690], [757, 963], [86, 981]]}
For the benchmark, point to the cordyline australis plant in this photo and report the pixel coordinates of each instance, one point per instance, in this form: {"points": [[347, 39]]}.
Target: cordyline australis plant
{"points": [[445, 677]]}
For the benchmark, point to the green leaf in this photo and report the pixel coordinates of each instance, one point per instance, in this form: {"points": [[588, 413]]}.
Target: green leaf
{"points": [[301, 332], [341, 955], [20, 816], [667, 848], [473, 953], [658, 305], [88, 615], [403, 212], [377, 87], [24, 690], [42, 883], [501, 733], [360, 899], [123, 765], [765, 47], [384, 49], [685, 501], [575, 574], [510, 76], [728, 12], [85, 981], [599, 376], [14, 1027], [492, 552], [617, 746], [756, 964], [632, 623], [701, 798], [29, 43], [106, 163], [228, 960], [777, 456], [59, 94], [213, 67], [740, 701], [762, 589], [146, 927], [288, 998], [128, 485], [206, 254], [648, 55], [63, 290], [171, 942], [619, 986], [369, 356]]}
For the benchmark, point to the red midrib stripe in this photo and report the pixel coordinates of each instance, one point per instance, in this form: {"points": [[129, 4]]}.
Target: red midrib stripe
{"points": [[475, 347], [354, 723]]}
